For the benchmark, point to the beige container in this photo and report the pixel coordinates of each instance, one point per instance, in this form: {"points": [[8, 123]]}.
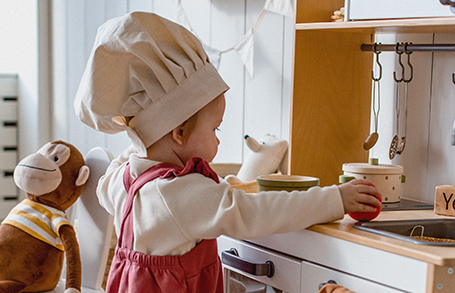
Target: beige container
{"points": [[386, 178]]}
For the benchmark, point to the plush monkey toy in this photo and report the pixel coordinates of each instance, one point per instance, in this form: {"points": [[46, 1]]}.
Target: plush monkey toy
{"points": [[36, 234]]}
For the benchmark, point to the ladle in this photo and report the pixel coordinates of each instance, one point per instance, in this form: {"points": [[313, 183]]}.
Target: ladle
{"points": [[373, 137], [400, 149], [394, 144]]}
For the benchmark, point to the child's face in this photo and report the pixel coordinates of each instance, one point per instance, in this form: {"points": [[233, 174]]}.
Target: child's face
{"points": [[203, 141]]}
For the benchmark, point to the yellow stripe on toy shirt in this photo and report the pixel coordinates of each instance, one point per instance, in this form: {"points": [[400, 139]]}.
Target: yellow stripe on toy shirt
{"points": [[38, 220]]}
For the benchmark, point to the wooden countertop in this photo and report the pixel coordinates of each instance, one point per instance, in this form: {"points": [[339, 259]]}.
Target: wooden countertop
{"points": [[342, 229]]}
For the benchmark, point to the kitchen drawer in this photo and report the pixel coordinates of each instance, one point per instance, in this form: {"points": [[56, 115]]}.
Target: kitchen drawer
{"points": [[395, 270], [313, 275], [8, 135], [8, 158], [286, 269], [8, 108]]}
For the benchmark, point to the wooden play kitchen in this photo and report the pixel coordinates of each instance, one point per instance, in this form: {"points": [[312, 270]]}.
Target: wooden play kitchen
{"points": [[330, 122], [330, 117]]}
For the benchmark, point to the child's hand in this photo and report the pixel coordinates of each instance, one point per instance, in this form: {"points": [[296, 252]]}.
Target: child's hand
{"points": [[359, 195]]}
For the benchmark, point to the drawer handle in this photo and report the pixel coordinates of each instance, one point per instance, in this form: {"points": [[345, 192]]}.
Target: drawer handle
{"points": [[9, 123], [328, 282], [8, 173], [9, 148], [231, 258], [6, 198], [12, 98]]}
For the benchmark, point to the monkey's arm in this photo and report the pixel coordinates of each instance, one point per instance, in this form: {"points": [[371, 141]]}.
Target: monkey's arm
{"points": [[73, 258]]}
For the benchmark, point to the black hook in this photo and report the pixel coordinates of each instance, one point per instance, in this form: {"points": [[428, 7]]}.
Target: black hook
{"points": [[377, 62], [401, 64], [408, 53], [453, 78]]}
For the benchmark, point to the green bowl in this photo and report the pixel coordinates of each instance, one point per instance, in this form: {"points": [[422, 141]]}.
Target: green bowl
{"points": [[285, 182]]}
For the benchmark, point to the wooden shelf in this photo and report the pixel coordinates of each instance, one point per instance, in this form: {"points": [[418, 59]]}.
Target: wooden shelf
{"points": [[415, 25]]}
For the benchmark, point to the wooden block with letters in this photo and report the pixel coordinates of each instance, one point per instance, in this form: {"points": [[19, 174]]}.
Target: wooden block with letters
{"points": [[444, 200]]}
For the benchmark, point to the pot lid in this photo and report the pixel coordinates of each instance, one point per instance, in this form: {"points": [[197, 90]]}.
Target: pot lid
{"points": [[287, 180], [365, 168]]}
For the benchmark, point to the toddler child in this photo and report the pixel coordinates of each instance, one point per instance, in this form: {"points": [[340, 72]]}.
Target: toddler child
{"points": [[151, 77]]}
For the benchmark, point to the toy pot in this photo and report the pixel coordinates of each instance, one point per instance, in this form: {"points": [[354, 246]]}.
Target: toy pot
{"points": [[386, 178]]}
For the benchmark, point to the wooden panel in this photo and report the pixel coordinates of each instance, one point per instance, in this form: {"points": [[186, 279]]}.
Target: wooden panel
{"points": [[228, 27], [115, 8], [198, 13], [288, 53], [440, 279], [220, 24], [139, 5], [59, 106], [317, 10], [331, 103], [76, 60], [263, 93]]}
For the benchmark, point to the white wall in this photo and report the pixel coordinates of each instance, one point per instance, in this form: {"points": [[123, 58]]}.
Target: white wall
{"points": [[23, 41], [255, 106]]}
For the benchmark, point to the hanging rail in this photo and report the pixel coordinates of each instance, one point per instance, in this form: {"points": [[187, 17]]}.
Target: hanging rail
{"points": [[408, 47]]}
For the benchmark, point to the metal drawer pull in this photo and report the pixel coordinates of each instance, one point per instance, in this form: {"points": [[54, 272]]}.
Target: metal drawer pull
{"points": [[231, 258], [328, 282]]}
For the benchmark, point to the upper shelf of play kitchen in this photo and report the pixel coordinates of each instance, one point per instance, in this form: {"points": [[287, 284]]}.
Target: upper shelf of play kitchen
{"points": [[386, 16]]}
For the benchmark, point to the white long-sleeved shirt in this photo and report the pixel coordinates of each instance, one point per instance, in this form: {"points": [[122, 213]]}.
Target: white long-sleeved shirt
{"points": [[172, 215]]}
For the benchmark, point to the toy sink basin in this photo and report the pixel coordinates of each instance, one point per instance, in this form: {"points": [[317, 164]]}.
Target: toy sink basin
{"points": [[437, 232]]}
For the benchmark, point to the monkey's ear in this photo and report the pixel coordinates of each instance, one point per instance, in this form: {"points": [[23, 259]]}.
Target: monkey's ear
{"points": [[84, 172]]}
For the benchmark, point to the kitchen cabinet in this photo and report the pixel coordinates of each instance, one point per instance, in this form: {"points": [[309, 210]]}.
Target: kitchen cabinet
{"points": [[292, 274], [358, 260], [331, 85]]}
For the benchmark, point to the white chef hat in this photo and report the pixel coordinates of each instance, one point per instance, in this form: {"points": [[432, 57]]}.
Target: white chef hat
{"points": [[145, 75]]}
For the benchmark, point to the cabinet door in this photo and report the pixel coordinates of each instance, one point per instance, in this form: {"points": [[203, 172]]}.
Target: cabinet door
{"points": [[313, 275], [286, 276]]}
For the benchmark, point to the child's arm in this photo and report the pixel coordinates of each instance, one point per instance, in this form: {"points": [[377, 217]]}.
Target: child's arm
{"points": [[359, 195], [204, 210]]}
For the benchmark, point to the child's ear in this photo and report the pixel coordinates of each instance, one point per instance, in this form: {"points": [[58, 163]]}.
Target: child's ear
{"points": [[179, 134]]}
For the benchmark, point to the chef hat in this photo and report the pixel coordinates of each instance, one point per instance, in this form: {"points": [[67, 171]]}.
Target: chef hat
{"points": [[145, 75]]}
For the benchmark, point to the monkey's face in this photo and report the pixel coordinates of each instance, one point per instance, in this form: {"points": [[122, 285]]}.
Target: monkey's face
{"points": [[52, 174]]}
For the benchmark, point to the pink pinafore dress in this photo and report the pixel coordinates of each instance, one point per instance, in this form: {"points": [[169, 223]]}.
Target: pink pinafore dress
{"points": [[199, 270]]}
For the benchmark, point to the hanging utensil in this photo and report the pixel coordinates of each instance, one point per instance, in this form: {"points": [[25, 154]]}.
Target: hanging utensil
{"points": [[373, 137], [406, 81], [394, 144]]}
